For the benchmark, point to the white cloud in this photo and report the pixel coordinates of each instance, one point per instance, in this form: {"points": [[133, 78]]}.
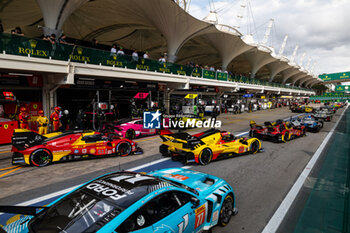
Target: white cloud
{"points": [[320, 27]]}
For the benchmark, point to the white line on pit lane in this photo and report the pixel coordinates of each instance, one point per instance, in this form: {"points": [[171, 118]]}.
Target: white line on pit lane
{"points": [[61, 192], [64, 191], [282, 210]]}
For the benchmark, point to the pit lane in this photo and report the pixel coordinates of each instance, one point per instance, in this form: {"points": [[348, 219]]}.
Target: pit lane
{"points": [[260, 181]]}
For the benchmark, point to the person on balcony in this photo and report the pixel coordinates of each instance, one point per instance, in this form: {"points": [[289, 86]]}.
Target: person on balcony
{"points": [[63, 40], [18, 31], [52, 39], [120, 52], [135, 56], [162, 60], [113, 50], [95, 44], [146, 55]]}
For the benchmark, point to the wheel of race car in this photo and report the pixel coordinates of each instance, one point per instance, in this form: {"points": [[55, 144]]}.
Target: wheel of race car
{"points": [[40, 158], [285, 137], [205, 156], [304, 132], [123, 148], [253, 134], [226, 211], [254, 147], [130, 134], [321, 124]]}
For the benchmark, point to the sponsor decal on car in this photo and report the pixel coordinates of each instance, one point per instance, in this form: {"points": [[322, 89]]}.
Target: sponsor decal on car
{"points": [[200, 216], [84, 151], [92, 151], [215, 216], [179, 177]]}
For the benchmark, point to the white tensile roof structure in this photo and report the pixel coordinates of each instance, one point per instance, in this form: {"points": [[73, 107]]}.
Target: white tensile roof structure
{"points": [[156, 26]]}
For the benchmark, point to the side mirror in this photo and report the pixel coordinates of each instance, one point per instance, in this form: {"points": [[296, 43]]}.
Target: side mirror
{"points": [[195, 202]]}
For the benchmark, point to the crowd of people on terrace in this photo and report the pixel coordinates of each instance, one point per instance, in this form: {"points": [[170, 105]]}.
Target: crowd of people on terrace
{"points": [[116, 50]]}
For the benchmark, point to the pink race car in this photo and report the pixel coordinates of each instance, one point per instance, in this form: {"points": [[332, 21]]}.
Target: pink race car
{"points": [[131, 129]]}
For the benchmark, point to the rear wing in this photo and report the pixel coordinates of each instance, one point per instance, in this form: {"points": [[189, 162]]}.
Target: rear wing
{"points": [[22, 139], [188, 141]]}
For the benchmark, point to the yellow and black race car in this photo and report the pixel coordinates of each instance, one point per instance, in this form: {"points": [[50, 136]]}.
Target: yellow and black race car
{"points": [[204, 147]]}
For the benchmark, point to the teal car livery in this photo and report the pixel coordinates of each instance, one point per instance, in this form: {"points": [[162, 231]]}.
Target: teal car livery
{"points": [[168, 200]]}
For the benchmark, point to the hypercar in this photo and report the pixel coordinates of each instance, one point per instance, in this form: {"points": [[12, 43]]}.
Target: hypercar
{"points": [[311, 123], [297, 108], [308, 109], [131, 129], [168, 200], [30, 148], [279, 131], [206, 146], [323, 114]]}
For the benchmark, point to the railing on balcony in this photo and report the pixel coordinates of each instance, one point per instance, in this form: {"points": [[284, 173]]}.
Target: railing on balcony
{"points": [[24, 46]]}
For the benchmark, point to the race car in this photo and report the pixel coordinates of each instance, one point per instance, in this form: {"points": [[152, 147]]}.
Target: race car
{"points": [[311, 124], [130, 129], [297, 108], [324, 115], [168, 200], [30, 148], [206, 146], [279, 131], [308, 109]]}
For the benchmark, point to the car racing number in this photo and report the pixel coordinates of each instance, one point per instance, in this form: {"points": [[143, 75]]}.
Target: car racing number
{"points": [[182, 225], [200, 216]]}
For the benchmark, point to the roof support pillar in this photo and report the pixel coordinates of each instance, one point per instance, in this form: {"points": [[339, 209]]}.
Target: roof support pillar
{"points": [[289, 73], [276, 67], [55, 13], [298, 77]]}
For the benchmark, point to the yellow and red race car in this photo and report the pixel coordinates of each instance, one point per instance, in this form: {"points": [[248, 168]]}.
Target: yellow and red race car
{"points": [[204, 147], [30, 148]]}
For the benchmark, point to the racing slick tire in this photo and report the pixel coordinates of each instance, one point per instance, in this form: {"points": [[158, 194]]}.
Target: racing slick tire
{"points": [[123, 148], [205, 156], [163, 149], [130, 134], [285, 137], [40, 157], [226, 211], [253, 134], [254, 147], [319, 126], [303, 132]]}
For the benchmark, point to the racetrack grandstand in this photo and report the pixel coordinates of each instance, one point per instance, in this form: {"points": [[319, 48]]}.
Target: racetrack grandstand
{"points": [[82, 43]]}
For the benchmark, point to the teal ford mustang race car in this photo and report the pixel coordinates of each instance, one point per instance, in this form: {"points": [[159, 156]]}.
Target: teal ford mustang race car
{"points": [[168, 200]]}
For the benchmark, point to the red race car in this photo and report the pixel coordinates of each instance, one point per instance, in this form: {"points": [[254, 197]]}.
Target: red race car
{"points": [[30, 148], [279, 131]]}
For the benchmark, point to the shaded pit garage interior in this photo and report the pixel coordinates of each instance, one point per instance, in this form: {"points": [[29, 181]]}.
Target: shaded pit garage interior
{"points": [[83, 94]]}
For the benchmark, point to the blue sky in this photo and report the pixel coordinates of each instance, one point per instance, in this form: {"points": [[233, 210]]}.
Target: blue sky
{"points": [[320, 27]]}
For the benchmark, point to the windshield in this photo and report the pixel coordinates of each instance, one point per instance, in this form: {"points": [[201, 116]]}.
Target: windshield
{"points": [[76, 213]]}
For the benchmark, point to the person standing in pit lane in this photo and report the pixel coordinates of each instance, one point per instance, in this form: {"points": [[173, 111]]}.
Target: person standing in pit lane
{"points": [[43, 123], [214, 113], [55, 119], [23, 118], [65, 120]]}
